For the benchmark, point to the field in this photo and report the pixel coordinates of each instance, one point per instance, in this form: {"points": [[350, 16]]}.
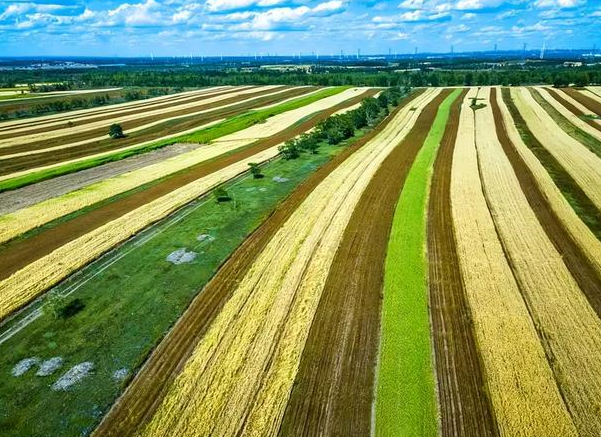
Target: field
{"points": [[267, 260]]}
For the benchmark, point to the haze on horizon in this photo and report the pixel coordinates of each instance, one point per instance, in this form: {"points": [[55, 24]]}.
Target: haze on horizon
{"points": [[285, 27]]}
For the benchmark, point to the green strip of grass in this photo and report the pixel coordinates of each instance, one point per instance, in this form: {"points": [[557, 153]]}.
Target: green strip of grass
{"points": [[226, 127], [587, 140], [578, 200], [406, 399]]}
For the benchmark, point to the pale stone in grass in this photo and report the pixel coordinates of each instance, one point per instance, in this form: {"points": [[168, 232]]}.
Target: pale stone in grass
{"points": [[24, 365], [50, 366], [74, 375], [181, 256]]}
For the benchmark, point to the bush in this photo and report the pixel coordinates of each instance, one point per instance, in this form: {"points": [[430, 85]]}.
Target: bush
{"points": [[255, 170], [290, 150], [116, 131], [221, 195]]}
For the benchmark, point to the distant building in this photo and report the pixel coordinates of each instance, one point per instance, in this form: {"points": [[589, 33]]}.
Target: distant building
{"points": [[572, 64]]}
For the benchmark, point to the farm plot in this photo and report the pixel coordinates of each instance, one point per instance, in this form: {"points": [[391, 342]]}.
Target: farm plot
{"points": [[590, 102], [330, 395], [519, 380], [79, 241], [252, 368], [582, 165], [569, 329]]}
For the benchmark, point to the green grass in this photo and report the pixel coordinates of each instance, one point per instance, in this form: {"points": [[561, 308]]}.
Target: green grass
{"points": [[205, 135], [406, 399], [130, 305], [571, 191], [587, 140]]}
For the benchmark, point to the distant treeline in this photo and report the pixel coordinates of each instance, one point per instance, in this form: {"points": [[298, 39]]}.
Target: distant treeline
{"points": [[324, 76]]}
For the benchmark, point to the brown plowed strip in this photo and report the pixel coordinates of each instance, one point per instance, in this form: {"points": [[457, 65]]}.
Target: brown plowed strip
{"points": [[22, 252], [12, 165], [465, 408], [574, 258], [150, 385], [574, 110], [95, 117], [333, 391]]}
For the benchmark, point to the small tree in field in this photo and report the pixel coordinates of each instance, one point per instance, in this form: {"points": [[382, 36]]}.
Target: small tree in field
{"points": [[255, 170], [116, 131]]}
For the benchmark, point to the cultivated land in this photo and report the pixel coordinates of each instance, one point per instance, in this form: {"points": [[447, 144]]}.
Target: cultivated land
{"points": [[433, 269]]}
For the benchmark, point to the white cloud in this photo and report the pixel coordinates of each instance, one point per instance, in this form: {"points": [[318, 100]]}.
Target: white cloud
{"points": [[468, 16], [559, 4], [228, 5], [412, 4]]}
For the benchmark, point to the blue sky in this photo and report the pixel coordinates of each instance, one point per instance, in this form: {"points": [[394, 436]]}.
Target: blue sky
{"points": [[230, 27]]}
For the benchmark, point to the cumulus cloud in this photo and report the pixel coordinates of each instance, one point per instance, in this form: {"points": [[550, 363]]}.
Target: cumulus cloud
{"points": [[559, 4], [229, 5]]}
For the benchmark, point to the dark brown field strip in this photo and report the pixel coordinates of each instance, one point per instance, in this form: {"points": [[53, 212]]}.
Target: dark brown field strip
{"points": [[333, 390], [465, 408], [145, 393], [573, 256], [22, 252], [175, 111], [105, 112], [173, 127], [586, 101], [573, 109]]}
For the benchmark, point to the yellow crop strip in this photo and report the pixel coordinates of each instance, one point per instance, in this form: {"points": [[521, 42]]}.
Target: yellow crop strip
{"points": [[569, 329], [239, 377], [521, 385]]}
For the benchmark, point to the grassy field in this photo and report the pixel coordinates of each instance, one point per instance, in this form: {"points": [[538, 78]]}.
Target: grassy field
{"points": [[203, 135], [405, 400], [117, 329]]}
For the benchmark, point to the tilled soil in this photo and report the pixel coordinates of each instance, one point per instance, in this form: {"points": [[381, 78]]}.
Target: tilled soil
{"points": [[150, 385], [333, 390], [591, 104], [573, 256], [574, 94], [465, 409], [20, 163], [23, 197], [19, 253]]}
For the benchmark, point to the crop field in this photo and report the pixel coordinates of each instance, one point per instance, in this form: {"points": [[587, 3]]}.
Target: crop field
{"points": [[270, 260]]}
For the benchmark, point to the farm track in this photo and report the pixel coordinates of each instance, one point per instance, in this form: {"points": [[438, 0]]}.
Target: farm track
{"points": [[573, 256], [557, 96], [333, 390], [21, 163], [465, 408], [20, 253], [146, 392], [584, 100]]}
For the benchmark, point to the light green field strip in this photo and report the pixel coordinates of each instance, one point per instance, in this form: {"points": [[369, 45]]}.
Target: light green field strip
{"points": [[36, 215], [405, 399], [518, 377], [569, 328]]}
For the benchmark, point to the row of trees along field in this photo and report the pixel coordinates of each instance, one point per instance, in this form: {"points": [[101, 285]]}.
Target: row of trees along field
{"points": [[196, 76]]}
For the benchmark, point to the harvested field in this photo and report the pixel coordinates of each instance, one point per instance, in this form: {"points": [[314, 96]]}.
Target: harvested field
{"points": [[520, 383], [333, 396], [41, 252], [465, 408], [146, 392], [589, 102], [569, 329], [582, 165]]}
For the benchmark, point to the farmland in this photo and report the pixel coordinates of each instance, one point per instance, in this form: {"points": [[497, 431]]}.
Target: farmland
{"points": [[279, 260]]}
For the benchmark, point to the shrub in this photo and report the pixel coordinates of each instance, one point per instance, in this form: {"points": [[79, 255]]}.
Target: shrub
{"points": [[116, 131], [255, 170], [221, 195]]}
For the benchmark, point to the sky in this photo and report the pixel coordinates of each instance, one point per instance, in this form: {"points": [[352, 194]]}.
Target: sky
{"points": [[286, 27]]}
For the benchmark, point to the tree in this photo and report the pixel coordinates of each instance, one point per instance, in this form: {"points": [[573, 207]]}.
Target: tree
{"points": [[308, 142], [116, 131], [221, 195], [290, 149], [255, 170]]}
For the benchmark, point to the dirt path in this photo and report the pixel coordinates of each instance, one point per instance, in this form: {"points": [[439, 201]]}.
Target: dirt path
{"points": [[333, 390], [23, 197], [20, 253], [20, 163], [557, 96], [148, 388], [576, 261], [465, 409]]}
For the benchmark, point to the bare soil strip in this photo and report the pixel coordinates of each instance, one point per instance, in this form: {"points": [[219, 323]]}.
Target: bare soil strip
{"points": [[13, 200], [573, 256], [23, 252], [574, 94], [333, 390], [465, 407], [39, 160], [584, 100], [146, 392]]}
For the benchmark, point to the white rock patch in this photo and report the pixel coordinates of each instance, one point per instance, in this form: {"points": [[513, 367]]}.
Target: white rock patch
{"points": [[50, 366], [280, 179], [73, 376], [205, 237], [121, 374], [181, 256], [24, 365]]}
